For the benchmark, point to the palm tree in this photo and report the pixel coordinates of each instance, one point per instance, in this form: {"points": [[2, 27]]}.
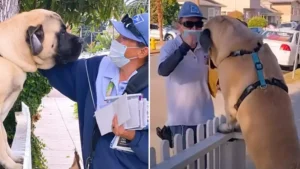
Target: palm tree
{"points": [[160, 18]]}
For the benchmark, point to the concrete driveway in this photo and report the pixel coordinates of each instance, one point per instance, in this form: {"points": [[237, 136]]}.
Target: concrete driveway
{"points": [[158, 104]]}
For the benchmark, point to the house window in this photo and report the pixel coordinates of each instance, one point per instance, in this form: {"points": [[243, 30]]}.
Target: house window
{"points": [[211, 13]]}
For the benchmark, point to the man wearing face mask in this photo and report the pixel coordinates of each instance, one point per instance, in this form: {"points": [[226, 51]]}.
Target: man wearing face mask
{"points": [[183, 63], [89, 81]]}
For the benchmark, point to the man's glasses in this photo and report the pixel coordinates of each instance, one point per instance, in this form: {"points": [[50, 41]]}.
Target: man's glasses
{"points": [[191, 24], [128, 24]]}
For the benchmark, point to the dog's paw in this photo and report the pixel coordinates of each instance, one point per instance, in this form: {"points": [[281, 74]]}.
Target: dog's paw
{"points": [[18, 166], [18, 159], [226, 128], [13, 166], [237, 127]]}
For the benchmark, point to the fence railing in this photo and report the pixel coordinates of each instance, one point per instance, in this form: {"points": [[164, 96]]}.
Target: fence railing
{"points": [[223, 151], [22, 140]]}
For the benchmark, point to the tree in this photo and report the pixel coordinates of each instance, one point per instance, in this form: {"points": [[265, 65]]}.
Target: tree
{"points": [[8, 8], [136, 6], [153, 12], [170, 12], [80, 11], [236, 14], [257, 21], [160, 18]]}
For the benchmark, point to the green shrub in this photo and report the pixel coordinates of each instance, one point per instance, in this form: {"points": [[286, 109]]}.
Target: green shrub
{"points": [[257, 22], [35, 88], [101, 42]]}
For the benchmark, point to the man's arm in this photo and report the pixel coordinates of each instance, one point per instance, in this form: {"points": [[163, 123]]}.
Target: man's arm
{"points": [[140, 145], [63, 78], [166, 67]]}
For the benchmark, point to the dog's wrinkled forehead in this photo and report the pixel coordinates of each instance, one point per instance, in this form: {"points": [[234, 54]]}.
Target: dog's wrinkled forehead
{"points": [[42, 16], [221, 28]]}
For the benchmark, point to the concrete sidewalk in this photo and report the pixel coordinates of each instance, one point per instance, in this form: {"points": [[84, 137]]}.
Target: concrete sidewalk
{"points": [[57, 120]]}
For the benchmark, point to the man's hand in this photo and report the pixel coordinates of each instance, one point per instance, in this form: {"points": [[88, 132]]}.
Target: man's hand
{"points": [[190, 39], [120, 131]]}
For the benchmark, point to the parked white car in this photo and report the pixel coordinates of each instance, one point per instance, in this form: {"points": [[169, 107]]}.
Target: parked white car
{"points": [[283, 44], [288, 25], [169, 32]]}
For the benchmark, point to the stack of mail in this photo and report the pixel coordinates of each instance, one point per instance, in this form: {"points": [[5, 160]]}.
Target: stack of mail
{"points": [[132, 112]]}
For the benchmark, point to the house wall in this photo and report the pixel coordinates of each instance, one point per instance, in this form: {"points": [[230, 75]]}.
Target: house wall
{"points": [[295, 11], [285, 9], [209, 11], [239, 5]]}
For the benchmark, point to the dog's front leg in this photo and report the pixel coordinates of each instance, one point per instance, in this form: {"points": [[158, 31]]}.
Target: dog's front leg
{"points": [[17, 159], [231, 121], [6, 161]]}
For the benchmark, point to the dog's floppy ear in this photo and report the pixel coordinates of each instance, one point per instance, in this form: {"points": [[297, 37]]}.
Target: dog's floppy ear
{"points": [[35, 38], [205, 40]]}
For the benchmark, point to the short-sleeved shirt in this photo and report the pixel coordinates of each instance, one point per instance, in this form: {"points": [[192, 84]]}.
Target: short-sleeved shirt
{"points": [[109, 72], [188, 98]]}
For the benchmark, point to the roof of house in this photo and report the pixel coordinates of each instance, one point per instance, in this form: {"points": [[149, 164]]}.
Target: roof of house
{"points": [[204, 3]]}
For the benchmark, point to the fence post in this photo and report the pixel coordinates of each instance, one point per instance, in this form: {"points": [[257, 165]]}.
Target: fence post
{"points": [[225, 151], [200, 137], [178, 144], [152, 157], [239, 154], [216, 152], [190, 141], [209, 132], [165, 150]]}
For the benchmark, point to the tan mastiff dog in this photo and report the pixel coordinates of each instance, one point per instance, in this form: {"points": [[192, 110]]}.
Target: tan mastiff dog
{"points": [[28, 41], [264, 112]]}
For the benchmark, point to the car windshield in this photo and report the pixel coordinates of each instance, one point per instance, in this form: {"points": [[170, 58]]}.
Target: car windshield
{"points": [[278, 36]]}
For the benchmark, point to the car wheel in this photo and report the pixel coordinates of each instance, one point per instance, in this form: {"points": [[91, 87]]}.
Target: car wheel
{"points": [[169, 37]]}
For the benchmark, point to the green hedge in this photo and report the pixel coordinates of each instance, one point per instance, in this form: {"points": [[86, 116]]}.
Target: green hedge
{"points": [[35, 88], [257, 22]]}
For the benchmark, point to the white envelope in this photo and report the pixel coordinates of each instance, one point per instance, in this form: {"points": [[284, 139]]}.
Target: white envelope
{"points": [[104, 116]]}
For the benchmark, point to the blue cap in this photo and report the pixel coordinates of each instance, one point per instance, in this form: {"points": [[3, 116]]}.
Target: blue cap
{"points": [[190, 9], [141, 22]]}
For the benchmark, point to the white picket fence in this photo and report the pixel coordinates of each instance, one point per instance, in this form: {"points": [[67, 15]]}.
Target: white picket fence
{"points": [[22, 140], [224, 151]]}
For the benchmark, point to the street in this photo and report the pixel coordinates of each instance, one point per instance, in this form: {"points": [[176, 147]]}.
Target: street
{"points": [[158, 107]]}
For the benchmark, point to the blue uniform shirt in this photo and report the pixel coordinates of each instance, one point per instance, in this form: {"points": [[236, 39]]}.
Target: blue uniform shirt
{"points": [[71, 80], [108, 72]]}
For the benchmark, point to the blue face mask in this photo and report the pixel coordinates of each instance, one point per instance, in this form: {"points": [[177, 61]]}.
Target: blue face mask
{"points": [[117, 54]]}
